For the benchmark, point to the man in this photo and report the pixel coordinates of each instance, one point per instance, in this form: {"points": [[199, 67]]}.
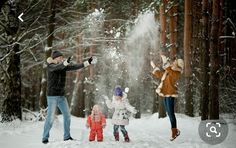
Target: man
{"points": [[167, 88], [57, 68]]}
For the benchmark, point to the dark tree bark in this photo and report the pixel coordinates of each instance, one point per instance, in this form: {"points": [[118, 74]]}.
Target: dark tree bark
{"points": [[11, 108], [180, 28], [214, 63], [48, 50], [90, 87], [187, 57], [78, 102], [173, 29], [12, 88], [205, 62], [2, 3], [161, 109], [162, 24]]}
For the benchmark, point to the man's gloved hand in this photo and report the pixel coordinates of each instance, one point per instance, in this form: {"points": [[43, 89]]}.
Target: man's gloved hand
{"points": [[69, 59], [90, 60]]}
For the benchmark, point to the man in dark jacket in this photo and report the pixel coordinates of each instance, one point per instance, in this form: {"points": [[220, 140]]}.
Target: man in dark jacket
{"points": [[57, 68]]}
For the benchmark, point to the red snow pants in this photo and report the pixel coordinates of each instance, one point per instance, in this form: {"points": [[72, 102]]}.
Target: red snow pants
{"points": [[96, 132]]}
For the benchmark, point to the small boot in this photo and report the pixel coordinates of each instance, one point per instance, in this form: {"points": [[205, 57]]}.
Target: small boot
{"points": [[126, 138], [175, 133], [116, 135]]}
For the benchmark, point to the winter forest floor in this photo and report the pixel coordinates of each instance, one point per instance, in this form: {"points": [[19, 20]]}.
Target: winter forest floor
{"points": [[147, 132]]}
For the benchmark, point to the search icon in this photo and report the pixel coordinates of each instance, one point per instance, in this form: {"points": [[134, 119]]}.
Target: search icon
{"points": [[213, 129]]}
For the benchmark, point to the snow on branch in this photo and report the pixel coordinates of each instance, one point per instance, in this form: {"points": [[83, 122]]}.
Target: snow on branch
{"points": [[232, 26]]}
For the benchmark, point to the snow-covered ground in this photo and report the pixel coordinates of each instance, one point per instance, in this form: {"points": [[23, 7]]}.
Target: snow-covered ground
{"points": [[147, 132]]}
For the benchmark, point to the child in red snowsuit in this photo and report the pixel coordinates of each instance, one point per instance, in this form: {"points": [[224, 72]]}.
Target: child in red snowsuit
{"points": [[96, 122]]}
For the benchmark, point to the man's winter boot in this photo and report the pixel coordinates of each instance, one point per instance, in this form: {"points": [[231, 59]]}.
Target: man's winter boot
{"points": [[175, 133], [116, 135], [45, 141], [127, 138], [70, 138]]}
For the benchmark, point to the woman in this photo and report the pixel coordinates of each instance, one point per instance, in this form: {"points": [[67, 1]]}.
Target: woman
{"points": [[167, 88]]}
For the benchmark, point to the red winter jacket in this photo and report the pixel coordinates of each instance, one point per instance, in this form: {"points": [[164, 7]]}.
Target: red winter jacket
{"points": [[96, 125]]}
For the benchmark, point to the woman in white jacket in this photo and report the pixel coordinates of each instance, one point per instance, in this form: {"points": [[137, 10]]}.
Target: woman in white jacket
{"points": [[120, 116]]}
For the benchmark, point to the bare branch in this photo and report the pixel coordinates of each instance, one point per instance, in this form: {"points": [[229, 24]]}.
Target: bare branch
{"points": [[1, 23], [27, 32], [40, 14], [8, 54], [1, 38], [33, 55]]}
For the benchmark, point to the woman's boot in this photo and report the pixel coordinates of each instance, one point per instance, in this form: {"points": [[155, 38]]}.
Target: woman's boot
{"points": [[175, 133]]}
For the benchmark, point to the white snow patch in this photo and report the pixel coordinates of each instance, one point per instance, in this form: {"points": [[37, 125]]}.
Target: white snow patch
{"points": [[149, 131]]}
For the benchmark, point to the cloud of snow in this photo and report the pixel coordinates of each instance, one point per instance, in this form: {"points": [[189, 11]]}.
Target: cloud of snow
{"points": [[121, 61], [141, 38]]}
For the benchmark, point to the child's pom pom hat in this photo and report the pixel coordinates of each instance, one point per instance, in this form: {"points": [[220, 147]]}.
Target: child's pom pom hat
{"points": [[118, 91]]}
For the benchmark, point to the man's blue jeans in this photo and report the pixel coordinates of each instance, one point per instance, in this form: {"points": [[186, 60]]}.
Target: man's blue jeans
{"points": [[53, 102], [169, 103]]}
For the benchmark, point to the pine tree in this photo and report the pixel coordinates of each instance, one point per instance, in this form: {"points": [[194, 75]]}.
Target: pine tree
{"points": [[214, 63], [187, 57], [205, 62]]}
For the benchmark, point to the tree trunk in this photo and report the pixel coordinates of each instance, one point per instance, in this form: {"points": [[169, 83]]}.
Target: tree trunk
{"points": [[90, 86], [214, 63], [163, 24], [204, 94], [48, 50], [138, 107], [134, 10], [78, 102], [173, 19], [161, 108], [173, 29], [196, 51], [2, 3], [155, 103], [187, 57], [11, 107]]}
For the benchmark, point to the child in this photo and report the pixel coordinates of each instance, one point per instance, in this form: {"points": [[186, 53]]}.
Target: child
{"points": [[167, 88], [96, 122], [120, 116]]}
